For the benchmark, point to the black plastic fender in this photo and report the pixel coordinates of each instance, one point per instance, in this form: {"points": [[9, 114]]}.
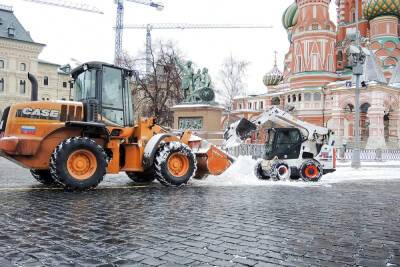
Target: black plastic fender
{"points": [[151, 149]]}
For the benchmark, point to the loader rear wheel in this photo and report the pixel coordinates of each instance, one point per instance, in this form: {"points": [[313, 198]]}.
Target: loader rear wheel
{"points": [[145, 177], [259, 172], [279, 170], [78, 163], [175, 164], [311, 171], [43, 177]]}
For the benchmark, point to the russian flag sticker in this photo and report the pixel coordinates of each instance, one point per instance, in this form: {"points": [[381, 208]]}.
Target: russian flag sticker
{"points": [[28, 129]]}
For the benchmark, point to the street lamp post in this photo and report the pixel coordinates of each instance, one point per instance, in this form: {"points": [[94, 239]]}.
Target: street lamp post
{"points": [[358, 59]]}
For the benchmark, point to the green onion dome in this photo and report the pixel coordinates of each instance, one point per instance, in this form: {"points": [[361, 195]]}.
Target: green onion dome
{"points": [[377, 8], [273, 77], [290, 16]]}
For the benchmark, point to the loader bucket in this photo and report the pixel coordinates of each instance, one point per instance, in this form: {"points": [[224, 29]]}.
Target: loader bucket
{"points": [[244, 128], [210, 159], [238, 132]]}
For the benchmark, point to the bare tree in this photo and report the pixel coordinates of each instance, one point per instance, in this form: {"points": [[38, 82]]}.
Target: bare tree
{"points": [[156, 92], [232, 75]]}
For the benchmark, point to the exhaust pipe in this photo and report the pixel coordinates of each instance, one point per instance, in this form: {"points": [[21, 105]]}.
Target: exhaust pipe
{"points": [[34, 83]]}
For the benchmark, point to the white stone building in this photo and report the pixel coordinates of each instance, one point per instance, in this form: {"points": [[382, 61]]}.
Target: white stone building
{"points": [[19, 55]]}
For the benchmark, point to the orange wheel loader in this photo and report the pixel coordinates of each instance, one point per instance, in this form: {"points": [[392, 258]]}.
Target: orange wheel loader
{"points": [[74, 144]]}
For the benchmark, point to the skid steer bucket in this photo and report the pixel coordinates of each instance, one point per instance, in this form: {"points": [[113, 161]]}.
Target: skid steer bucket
{"points": [[210, 159], [238, 132]]}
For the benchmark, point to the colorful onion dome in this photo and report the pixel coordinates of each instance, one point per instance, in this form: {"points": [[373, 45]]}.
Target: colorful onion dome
{"points": [[273, 77], [377, 8], [290, 16]]}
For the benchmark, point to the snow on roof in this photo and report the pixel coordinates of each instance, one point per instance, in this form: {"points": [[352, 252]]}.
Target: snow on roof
{"points": [[395, 80], [372, 71]]}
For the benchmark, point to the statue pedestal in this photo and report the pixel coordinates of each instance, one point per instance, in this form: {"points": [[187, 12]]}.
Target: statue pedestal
{"points": [[203, 120]]}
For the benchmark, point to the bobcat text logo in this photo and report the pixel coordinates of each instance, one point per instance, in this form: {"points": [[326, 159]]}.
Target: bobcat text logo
{"points": [[44, 114]]}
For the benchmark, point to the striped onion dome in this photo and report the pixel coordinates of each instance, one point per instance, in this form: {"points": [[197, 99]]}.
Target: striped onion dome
{"points": [[273, 77], [290, 16], [377, 8]]}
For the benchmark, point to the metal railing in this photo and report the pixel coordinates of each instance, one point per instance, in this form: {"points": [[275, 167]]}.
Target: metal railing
{"points": [[258, 151]]}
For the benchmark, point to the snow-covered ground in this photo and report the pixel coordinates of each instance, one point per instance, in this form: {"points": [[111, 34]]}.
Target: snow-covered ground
{"points": [[241, 173]]}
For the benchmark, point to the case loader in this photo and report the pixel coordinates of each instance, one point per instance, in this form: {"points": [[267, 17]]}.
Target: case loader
{"points": [[76, 143], [301, 150]]}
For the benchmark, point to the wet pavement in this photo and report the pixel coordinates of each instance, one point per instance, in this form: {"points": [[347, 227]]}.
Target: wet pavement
{"points": [[120, 224]]}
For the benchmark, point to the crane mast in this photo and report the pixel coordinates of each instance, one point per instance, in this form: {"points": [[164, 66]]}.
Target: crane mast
{"points": [[119, 25], [184, 26]]}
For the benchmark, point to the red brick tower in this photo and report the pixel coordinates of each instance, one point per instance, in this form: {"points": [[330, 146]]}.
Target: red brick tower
{"points": [[314, 38]]}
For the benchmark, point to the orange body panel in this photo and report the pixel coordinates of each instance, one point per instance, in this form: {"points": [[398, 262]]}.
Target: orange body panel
{"points": [[35, 129]]}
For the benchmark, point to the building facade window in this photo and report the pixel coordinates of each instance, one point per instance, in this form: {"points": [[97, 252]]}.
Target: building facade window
{"points": [[1, 64], [299, 98], [22, 67], [307, 97], [46, 80], [64, 84], [288, 98], [293, 98], [11, 31], [249, 105], [22, 87], [317, 97], [1, 85], [261, 105]]}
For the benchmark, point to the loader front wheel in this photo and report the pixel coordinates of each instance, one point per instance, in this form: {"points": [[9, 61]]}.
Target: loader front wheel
{"points": [[78, 163], [279, 170], [145, 177], [175, 164], [44, 177]]}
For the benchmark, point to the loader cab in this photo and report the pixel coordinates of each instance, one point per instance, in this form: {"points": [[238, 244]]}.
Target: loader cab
{"points": [[104, 90], [284, 143]]}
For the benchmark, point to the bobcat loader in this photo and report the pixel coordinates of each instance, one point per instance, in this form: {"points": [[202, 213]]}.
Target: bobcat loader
{"points": [[301, 150], [76, 143]]}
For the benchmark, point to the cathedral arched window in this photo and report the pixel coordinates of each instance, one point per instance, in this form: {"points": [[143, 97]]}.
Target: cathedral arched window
{"points": [[340, 56], [317, 97], [294, 98]]}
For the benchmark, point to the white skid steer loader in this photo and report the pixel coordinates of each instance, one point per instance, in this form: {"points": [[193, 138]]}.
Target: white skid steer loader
{"points": [[300, 150]]}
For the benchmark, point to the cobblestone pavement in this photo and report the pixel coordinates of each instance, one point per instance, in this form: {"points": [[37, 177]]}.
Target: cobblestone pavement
{"points": [[355, 223]]}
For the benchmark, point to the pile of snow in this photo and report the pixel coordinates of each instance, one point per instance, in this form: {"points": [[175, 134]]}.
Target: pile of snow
{"points": [[241, 174]]}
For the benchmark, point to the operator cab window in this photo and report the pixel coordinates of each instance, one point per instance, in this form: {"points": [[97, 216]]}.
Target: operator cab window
{"points": [[85, 85], [113, 95]]}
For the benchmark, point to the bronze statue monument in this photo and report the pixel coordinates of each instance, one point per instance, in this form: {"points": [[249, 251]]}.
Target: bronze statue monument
{"points": [[197, 87]]}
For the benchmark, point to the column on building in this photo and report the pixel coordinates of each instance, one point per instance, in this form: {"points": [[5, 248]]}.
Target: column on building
{"points": [[394, 128], [376, 115], [337, 121]]}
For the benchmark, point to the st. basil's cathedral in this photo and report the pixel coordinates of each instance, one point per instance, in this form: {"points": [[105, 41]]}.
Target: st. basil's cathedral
{"points": [[317, 83]]}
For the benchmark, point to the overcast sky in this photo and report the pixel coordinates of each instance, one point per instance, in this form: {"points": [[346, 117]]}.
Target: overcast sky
{"points": [[86, 36]]}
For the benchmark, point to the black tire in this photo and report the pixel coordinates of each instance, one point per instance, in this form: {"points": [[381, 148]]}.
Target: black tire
{"points": [[44, 177], [311, 171], [279, 170], [60, 170], [145, 177], [259, 172], [161, 161]]}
